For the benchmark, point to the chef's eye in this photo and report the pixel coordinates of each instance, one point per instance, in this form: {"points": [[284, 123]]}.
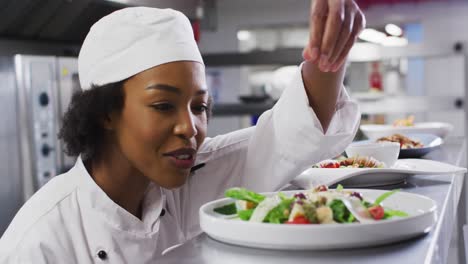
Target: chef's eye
{"points": [[198, 109], [163, 107]]}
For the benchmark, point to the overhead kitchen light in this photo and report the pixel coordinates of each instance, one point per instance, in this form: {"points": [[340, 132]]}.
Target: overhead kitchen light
{"points": [[372, 35], [393, 30], [244, 35], [392, 41], [375, 36]]}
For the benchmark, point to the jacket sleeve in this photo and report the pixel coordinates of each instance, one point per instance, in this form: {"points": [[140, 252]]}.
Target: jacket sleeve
{"points": [[286, 140], [26, 255], [289, 138]]}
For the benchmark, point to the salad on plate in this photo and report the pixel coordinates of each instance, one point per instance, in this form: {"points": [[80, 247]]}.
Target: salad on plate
{"points": [[405, 142], [318, 206], [352, 162]]}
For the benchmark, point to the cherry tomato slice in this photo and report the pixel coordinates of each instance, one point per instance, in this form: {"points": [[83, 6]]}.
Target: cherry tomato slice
{"points": [[299, 220], [376, 211], [331, 165]]}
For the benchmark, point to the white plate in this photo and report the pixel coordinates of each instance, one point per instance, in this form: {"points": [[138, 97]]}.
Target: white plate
{"points": [[429, 141], [374, 132], [422, 211], [368, 177]]}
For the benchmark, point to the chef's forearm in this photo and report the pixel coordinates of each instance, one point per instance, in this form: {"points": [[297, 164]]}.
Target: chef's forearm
{"points": [[323, 89]]}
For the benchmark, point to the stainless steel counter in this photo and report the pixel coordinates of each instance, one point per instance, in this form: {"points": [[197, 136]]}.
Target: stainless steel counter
{"points": [[431, 248]]}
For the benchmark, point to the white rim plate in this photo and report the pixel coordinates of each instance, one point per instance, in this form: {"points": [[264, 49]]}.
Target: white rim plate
{"points": [[374, 132], [371, 177], [422, 211]]}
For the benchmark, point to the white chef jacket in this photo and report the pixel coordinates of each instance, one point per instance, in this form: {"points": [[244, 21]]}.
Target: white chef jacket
{"points": [[70, 219]]}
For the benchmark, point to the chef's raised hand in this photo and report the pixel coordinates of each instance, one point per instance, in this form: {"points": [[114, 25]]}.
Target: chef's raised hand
{"points": [[334, 26]]}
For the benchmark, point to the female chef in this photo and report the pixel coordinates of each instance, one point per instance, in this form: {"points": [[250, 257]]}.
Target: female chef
{"points": [[139, 127]]}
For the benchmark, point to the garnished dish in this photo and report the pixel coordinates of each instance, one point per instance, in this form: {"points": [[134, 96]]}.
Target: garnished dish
{"points": [[405, 127], [352, 162], [405, 142], [318, 219], [317, 206], [405, 122]]}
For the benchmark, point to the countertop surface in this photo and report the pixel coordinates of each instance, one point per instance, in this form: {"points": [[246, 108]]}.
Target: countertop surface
{"points": [[445, 190]]}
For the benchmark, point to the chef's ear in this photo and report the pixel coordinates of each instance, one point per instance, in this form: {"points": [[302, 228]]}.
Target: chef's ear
{"points": [[109, 120], [109, 102]]}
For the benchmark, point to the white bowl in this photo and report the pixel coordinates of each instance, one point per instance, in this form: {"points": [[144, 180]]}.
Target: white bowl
{"points": [[386, 152]]}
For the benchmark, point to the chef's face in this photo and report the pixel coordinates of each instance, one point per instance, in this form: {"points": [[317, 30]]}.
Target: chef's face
{"points": [[163, 121]]}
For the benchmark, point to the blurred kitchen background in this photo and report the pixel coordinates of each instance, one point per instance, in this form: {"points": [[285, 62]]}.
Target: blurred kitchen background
{"points": [[411, 60]]}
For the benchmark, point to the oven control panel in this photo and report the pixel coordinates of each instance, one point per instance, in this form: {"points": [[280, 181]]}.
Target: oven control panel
{"points": [[44, 124]]}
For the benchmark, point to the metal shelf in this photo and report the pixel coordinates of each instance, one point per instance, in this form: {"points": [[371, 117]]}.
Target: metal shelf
{"points": [[293, 56], [277, 57], [239, 109], [387, 105]]}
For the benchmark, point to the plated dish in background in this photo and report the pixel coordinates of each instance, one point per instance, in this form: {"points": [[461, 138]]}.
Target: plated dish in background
{"points": [[353, 162], [410, 146], [405, 142], [385, 152], [394, 216], [415, 145], [373, 177], [405, 122], [374, 132]]}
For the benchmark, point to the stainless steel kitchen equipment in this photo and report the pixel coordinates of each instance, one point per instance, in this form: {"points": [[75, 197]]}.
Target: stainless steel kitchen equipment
{"points": [[35, 91]]}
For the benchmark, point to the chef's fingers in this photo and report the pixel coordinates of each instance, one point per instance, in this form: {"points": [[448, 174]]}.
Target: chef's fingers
{"points": [[333, 25], [306, 53], [317, 20], [359, 25], [346, 30]]}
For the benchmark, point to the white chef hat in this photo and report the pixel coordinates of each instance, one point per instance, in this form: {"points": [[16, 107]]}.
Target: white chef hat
{"points": [[132, 40]]}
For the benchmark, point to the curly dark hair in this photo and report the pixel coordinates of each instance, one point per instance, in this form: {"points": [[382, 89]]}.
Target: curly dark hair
{"points": [[82, 131]]}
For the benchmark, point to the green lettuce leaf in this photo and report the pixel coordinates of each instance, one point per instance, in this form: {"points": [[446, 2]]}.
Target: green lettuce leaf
{"points": [[245, 214], [280, 213], [244, 194], [341, 214], [388, 213], [228, 209], [384, 196]]}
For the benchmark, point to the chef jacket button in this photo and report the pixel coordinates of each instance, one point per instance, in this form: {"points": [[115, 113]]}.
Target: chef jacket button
{"points": [[163, 212], [102, 255]]}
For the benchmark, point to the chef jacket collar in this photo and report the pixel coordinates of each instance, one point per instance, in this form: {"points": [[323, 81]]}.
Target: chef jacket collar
{"points": [[113, 213]]}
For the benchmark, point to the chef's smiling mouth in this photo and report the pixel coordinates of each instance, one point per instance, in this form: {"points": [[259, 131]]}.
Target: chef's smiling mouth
{"points": [[183, 158], [182, 152]]}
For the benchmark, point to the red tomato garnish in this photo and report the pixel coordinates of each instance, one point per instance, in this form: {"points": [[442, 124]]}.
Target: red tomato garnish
{"points": [[299, 220], [331, 165], [376, 211]]}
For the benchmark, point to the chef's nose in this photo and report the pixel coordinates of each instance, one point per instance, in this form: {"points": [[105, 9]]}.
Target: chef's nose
{"points": [[185, 126]]}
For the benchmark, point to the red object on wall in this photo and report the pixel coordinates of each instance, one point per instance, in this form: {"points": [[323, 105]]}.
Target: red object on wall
{"points": [[375, 78], [196, 29]]}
